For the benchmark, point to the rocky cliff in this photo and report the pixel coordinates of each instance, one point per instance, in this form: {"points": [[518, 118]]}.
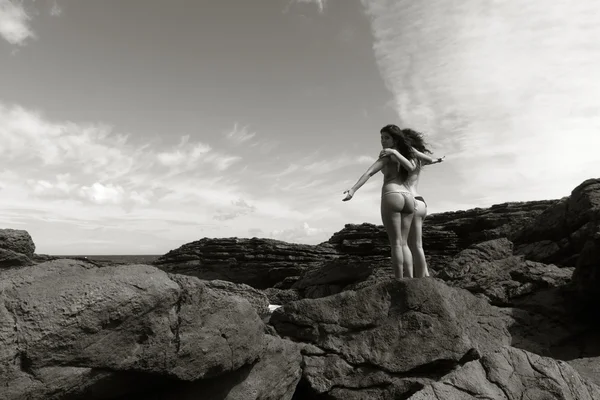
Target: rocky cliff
{"points": [[260, 263], [508, 316]]}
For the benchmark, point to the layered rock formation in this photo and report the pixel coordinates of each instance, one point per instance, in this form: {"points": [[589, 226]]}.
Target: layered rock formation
{"points": [[444, 234], [511, 314], [260, 263]]}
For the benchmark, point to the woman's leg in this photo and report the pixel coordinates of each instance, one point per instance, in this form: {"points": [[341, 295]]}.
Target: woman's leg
{"points": [[415, 241], [407, 219], [391, 204]]}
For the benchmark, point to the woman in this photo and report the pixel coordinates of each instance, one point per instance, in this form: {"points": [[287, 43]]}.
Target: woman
{"points": [[415, 236], [397, 201]]}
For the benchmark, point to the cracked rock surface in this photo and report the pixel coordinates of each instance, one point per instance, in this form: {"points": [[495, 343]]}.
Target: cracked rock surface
{"points": [[73, 318], [511, 374], [389, 337]]}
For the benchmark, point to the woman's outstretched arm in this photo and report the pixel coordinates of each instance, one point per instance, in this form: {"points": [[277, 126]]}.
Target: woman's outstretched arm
{"points": [[424, 157], [373, 169]]}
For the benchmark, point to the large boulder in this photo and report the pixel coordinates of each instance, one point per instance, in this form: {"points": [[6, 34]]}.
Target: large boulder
{"points": [[260, 263], [511, 374], [560, 233], [273, 377], [68, 317], [389, 336], [490, 269], [17, 240], [16, 248]]}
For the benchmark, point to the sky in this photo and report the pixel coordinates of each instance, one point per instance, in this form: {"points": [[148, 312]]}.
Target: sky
{"points": [[133, 127]]}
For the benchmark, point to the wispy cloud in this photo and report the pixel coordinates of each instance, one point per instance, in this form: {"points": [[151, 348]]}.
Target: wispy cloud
{"points": [[240, 135], [14, 22], [56, 10], [238, 208], [186, 157], [506, 90], [90, 176], [321, 4]]}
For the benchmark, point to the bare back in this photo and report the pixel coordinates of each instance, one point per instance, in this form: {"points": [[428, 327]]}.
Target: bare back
{"points": [[392, 177]]}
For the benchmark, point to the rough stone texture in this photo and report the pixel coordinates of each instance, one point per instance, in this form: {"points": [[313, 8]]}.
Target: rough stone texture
{"points": [[490, 269], [260, 263], [365, 335], [68, 313], [281, 296], [9, 258], [587, 367], [16, 248], [273, 377], [511, 374], [18, 241], [255, 297], [561, 232]]}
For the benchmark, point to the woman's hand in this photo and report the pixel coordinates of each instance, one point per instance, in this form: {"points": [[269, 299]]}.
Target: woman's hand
{"points": [[439, 160], [349, 193], [386, 152]]}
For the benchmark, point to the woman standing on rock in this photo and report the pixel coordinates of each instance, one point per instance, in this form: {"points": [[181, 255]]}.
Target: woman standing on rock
{"points": [[415, 236], [397, 201]]}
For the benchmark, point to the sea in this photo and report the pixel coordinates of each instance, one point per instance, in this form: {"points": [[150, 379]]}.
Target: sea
{"points": [[120, 259]]}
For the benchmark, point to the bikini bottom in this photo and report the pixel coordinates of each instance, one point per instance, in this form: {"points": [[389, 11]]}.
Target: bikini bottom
{"points": [[421, 198], [407, 197]]}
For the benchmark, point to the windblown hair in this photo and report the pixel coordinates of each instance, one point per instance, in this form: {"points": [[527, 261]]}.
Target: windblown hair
{"points": [[415, 139], [401, 143]]}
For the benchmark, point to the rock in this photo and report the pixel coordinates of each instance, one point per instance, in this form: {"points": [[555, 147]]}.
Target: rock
{"points": [[260, 263], [389, 336], [511, 374], [586, 276], [490, 269], [280, 296], [341, 271], [273, 377], [287, 282], [16, 248], [444, 234], [559, 234], [18, 241], [9, 258], [587, 367], [118, 319], [255, 297]]}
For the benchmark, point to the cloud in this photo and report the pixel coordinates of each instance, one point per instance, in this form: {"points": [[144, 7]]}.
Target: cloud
{"points": [[504, 89], [99, 193], [298, 234], [319, 3], [83, 176], [55, 11], [186, 157], [240, 135], [239, 209], [26, 137], [256, 232], [14, 22]]}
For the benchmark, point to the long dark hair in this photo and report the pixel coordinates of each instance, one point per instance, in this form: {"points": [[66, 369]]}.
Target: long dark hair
{"points": [[401, 143], [415, 139]]}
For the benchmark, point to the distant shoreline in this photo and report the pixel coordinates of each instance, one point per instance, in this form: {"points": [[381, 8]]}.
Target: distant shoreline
{"points": [[117, 258]]}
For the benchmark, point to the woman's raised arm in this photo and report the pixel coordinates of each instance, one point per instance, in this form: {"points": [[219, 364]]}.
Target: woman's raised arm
{"points": [[372, 170]]}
